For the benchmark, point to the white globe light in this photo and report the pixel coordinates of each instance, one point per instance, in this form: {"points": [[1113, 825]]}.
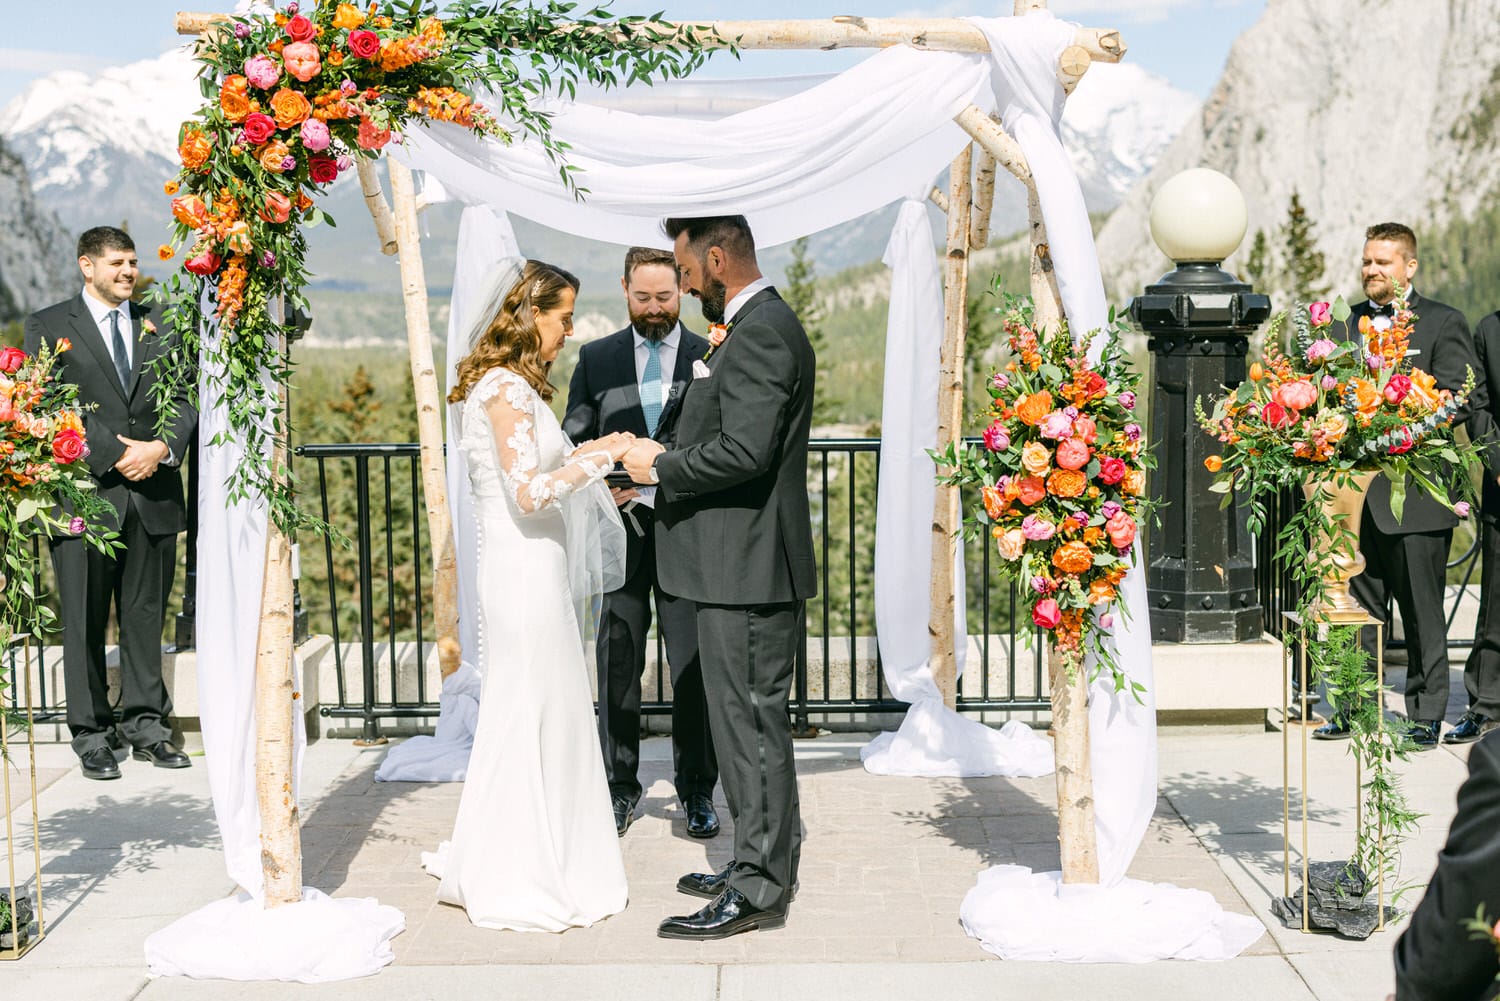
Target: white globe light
{"points": [[1198, 216]]}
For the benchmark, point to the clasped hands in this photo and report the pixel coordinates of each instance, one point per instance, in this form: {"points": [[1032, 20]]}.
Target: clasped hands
{"points": [[141, 458], [636, 454]]}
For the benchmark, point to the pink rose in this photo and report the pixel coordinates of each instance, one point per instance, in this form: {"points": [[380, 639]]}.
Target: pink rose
{"points": [[1000, 381], [1127, 400], [1111, 470], [1404, 442], [996, 438], [1121, 530], [300, 29], [259, 128], [1277, 416], [1046, 614], [1072, 453], [76, 526], [1037, 529], [205, 263], [1320, 313], [1132, 432], [302, 60], [262, 72], [1320, 349], [315, 135], [11, 359], [1297, 395], [1397, 388]]}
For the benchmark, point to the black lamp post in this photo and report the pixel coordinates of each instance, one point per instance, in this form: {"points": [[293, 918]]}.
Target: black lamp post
{"points": [[1198, 318]]}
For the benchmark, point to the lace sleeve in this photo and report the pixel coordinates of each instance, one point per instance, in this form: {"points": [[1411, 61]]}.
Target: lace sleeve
{"points": [[512, 419]]}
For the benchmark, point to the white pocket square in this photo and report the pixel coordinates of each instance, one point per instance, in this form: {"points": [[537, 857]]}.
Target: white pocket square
{"points": [[701, 369], [1413, 351]]}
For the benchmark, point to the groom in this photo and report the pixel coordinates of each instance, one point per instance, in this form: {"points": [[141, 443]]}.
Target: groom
{"points": [[734, 535]]}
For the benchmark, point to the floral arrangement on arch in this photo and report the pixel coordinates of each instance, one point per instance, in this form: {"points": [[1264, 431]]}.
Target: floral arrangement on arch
{"points": [[1061, 478], [45, 484], [293, 98]]}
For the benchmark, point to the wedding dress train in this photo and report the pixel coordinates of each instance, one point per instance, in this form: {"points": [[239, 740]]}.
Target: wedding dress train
{"points": [[534, 845]]}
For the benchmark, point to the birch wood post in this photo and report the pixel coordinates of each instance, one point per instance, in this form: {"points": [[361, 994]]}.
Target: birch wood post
{"points": [[984, 200], [946, 514], [429, 419], [275, 691], [380, 212]]}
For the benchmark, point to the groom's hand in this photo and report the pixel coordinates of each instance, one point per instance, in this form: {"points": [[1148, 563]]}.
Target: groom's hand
{"points": [[638, 460]]}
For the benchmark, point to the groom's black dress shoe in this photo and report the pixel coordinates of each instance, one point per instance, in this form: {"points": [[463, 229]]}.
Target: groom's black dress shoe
{"points": [[702, 820], [729, 914], [1335, 729], [99, 764], [162, 754], [1424, 733], [1471, 726], [624, 811], [706, 884]]}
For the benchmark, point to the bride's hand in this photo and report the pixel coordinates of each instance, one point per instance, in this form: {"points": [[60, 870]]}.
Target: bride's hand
{"points": [[616, 444]]}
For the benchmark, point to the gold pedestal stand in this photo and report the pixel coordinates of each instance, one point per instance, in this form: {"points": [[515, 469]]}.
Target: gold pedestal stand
{"points": [[13, 928], [1303, 633]]}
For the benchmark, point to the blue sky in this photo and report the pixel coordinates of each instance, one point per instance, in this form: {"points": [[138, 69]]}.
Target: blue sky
{"points": [[1185, 41]]}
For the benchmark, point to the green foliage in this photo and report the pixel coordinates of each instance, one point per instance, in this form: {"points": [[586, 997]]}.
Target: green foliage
{"points": [[12, 334], [847, 515], [1460, 261], [1304, 262], [801, 293], [1258, 262]]}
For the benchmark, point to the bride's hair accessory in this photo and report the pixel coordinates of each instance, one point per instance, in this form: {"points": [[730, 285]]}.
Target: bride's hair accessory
{"points": [[536, 288]]}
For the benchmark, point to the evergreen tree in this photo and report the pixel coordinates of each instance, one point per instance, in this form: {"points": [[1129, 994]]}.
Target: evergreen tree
{"points": [[1258, 265], [801, 293], [1305, 265]]}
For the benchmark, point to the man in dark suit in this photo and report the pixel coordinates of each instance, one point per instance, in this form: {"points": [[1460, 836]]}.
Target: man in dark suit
{"points": [[1482, 669], [1436, 960], [633, 381], [1408, 559], [734, 534], [111, 362]]}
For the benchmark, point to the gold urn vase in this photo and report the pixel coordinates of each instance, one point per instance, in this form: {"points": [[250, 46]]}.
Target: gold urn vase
{"points": [[1343, 504]]}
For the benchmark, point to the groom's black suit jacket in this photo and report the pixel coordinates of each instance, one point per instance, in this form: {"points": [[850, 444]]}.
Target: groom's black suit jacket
{"points": [[1435, 958], [733, 525], [132, 412], [604, 397]]}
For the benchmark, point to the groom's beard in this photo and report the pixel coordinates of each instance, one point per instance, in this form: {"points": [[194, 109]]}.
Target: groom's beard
{"points": [[713, 299], [655, 325]]}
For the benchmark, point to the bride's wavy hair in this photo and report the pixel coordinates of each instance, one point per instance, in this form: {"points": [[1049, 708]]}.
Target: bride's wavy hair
{"points": [[512, 339]]}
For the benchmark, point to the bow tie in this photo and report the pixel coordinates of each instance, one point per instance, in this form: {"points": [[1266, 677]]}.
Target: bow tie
{"points": [[1389, 309]]}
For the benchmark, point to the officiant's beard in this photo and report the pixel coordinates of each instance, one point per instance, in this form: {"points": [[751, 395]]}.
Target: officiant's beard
{"points": [[713, 299], [653, 326]]}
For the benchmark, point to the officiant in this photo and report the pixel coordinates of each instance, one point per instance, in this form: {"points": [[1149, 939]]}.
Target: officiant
{"points": [[633, 381]]}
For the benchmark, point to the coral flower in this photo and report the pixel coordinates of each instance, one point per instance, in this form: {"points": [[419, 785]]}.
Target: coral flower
{"points": [[273, 156], [302, 60], [994, 502], [1066, 483], [1073, 557], [278, 207], [1121, 530], [1032, 409], [1031, 489], [370, 136], [1072, 453], [194, 149], [290, 108], [1213, 463], [1423, 390], [1035, 458]]}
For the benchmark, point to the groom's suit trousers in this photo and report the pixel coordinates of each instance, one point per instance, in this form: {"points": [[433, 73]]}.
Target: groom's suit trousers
{"points": [[749, 660]]}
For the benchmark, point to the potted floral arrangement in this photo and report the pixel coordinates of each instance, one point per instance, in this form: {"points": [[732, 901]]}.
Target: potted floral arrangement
{"points": [[1328, 413]]}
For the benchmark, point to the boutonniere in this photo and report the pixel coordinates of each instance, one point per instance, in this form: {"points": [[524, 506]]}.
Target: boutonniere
{"points": [[716, 334], [148, 326]]}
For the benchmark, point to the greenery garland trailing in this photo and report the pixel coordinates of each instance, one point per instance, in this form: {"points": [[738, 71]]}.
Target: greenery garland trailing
{"points": [[291, 99]]}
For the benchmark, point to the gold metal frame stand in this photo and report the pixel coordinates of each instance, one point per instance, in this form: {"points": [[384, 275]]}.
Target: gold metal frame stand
{"points": [[1304, 634], [16, 952]]}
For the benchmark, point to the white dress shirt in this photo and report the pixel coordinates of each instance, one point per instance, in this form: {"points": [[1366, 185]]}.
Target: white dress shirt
{"points": [[100, 312], [737, 303]]}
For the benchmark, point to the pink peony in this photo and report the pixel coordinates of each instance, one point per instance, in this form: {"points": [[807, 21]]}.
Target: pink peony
{"points": [[1073, 454], [1046, 614], [1297, 395], [1086, 429], [1396, 389], [1320, 349], [1057, 425], [262, 72], [302, 60], [1037, 529], [1321, 313], [315, 135], [996, 438], [1121, 530]]}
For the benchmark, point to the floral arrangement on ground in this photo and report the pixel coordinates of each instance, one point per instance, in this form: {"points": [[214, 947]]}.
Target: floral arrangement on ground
{"points": [[292, 99], [1061, 480]]}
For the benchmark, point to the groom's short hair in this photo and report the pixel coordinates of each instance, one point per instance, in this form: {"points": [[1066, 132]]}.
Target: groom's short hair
{"points": [[729, 232], [98, 241]]}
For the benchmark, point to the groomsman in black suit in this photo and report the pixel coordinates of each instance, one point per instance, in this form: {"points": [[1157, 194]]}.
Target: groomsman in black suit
{"points": [[111, 362], [1436, 960], [1482, 670], [1408, 559], [633, 381], [734, 534]]}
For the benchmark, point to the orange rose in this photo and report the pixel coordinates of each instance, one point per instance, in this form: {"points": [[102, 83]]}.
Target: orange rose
{"points": [[1134, 483], [1033, 489], [1213, 463], [1423, 390], [190, 211], [194, 149], [272, 155], [1101, 591], [234, 98], [1036, 458], [289, 107], [1366, 398], [994, 502], [1073, 557], [348, 16], [1066, 483], [1031, 409]]}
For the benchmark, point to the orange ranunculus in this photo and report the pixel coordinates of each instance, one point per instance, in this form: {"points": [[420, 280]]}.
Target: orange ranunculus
{"points": [[289, 107], [1073, 557], [994, 502], [272, 154], [1423, 390], [194, 149], [1031, 409], [1213, 463], [1366, 398], [234, 98], [1101, 591], [348, 16], [1066, 483], [1035, 458], [1033, 489], [1134, 483]]}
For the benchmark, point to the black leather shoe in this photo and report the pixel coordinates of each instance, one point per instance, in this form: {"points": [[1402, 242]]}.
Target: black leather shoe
{"points": [[163, 754], [1335, 729], [702, 820], [1424, 733], [624, 811], [706, 884], [1471, 726], [99, 764], [729, 914]]}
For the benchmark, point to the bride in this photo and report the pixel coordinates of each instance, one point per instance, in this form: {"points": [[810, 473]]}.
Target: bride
{"points": [[534, 845]]}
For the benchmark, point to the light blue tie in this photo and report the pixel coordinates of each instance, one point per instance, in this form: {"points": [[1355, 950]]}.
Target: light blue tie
{"points": [[651, 387]]}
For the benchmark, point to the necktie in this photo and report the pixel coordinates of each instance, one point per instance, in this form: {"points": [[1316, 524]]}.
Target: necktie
{"points": [[651, 387], [117, 348]]}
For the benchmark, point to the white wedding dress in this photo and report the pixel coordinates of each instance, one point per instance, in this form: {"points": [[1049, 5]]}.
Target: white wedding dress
{"points": [[534, 845]]}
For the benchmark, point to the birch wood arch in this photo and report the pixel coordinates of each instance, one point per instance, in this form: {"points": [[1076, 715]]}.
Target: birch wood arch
{"points": [[967, 204]]}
